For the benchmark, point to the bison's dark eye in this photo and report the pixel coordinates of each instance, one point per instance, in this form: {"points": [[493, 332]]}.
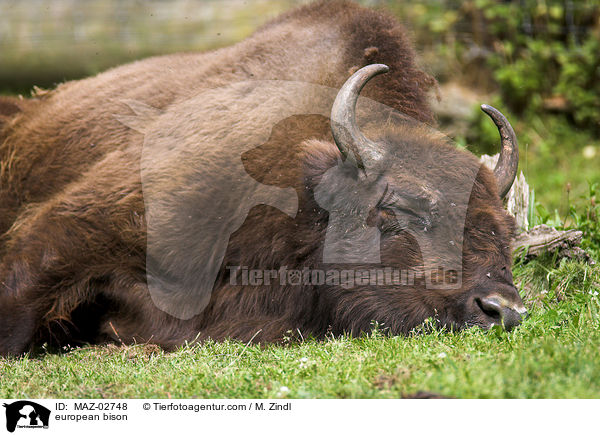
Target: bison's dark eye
{"points": [[401, 211]]}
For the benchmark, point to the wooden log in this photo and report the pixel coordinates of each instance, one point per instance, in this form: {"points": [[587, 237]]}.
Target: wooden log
{"points": [[543, 238]]}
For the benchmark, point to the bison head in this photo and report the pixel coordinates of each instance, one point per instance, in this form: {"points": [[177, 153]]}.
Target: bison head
{"points": [[403, 200]]}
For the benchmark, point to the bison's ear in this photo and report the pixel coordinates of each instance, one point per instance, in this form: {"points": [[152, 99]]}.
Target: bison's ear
{"points": [[318, 156], [9, 106]]}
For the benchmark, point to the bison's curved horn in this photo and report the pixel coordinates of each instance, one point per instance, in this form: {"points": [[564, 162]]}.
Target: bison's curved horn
{"points": [[506, 168], [347, 136]]}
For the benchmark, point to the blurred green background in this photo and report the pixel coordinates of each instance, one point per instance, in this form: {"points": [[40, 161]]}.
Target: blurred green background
{"points": [[537, 60]]}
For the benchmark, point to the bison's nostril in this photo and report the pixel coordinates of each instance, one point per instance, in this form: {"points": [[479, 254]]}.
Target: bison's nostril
{"points": [[501, 310], [490, 307]]}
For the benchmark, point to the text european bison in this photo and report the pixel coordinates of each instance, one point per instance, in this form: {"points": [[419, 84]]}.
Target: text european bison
{"points": [[196, 196]]}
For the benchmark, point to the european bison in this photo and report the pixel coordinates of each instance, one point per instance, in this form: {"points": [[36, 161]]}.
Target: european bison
{"points": [[196, 196]]}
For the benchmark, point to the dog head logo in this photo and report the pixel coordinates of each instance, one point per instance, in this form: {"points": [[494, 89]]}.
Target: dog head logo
{"points": [[26, 414]]}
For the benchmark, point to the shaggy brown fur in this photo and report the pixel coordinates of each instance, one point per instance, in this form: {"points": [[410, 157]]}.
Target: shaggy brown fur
{"points": [[72, 220]]}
